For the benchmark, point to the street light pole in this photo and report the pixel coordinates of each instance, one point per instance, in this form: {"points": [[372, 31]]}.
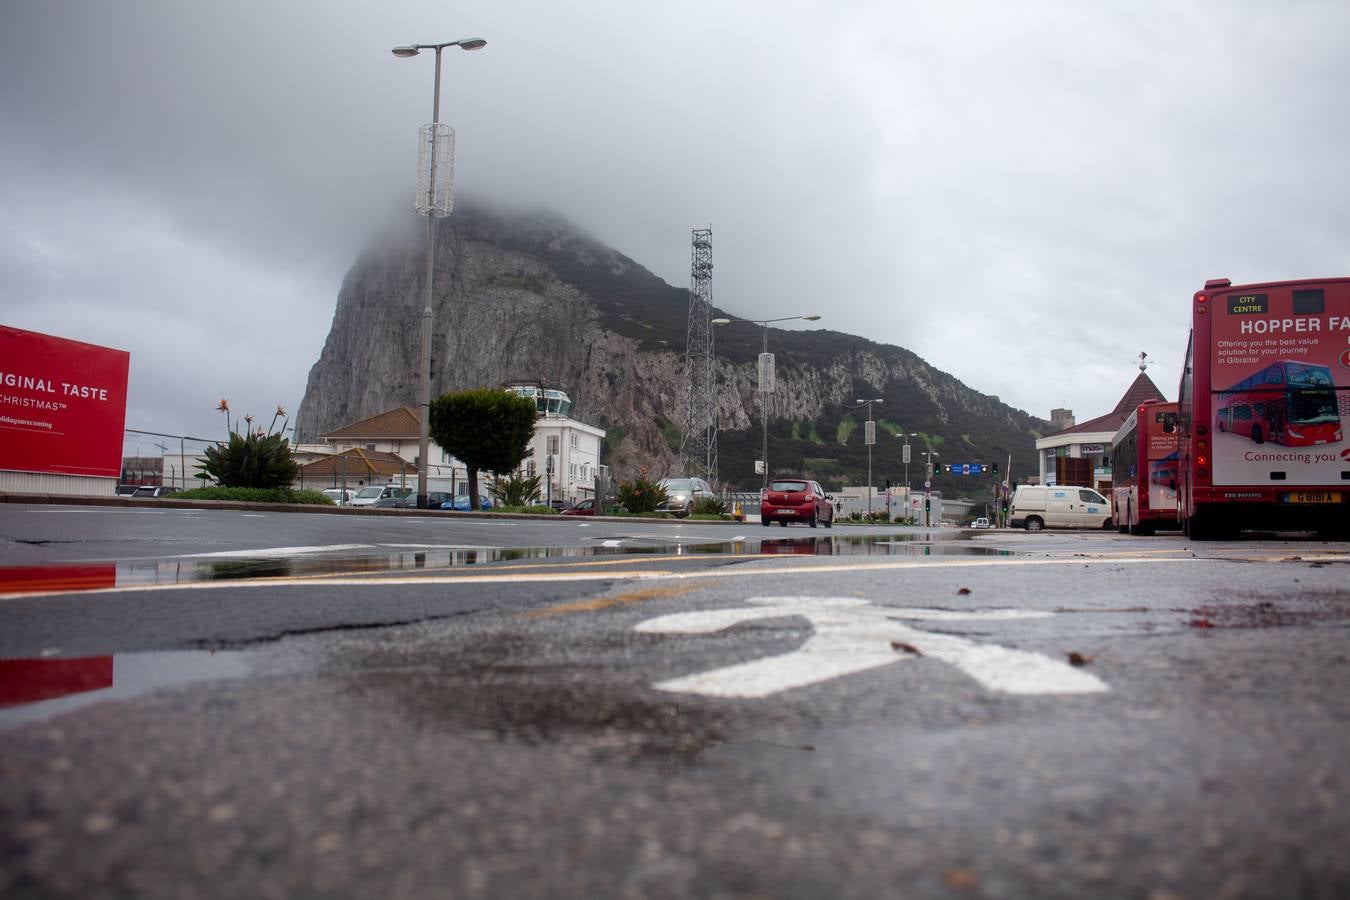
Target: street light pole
{"points": [[766, 366], [424, 384], [869, 438], [764, 411], [927, 486], [904, 456]]}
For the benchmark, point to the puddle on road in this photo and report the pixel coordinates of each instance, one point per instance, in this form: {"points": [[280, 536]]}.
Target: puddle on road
{"points": [[377, 559], [33, 690]]}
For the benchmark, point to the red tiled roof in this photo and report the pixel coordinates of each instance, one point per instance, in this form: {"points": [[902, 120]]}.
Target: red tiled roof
{"points": [[397, 424], [1141, 391], [359, 464]]}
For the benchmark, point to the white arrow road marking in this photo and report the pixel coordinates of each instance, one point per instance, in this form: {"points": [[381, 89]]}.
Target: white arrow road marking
{"points": [[852, 635]]}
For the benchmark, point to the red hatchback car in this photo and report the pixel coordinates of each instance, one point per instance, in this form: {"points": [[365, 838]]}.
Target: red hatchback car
{"points": [[794, 500], [583, 508]]}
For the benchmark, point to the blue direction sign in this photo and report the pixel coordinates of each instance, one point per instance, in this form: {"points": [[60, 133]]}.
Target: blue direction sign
{"points": [[966, 468]]}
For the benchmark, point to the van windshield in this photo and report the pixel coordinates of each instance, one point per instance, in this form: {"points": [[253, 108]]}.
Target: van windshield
{"points": [[367, 492]]}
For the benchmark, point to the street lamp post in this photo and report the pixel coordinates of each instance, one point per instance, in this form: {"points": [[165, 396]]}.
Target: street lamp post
{"points": [[927, 486], [766, 378], [905, 457], [869, 438], [435, 206]]}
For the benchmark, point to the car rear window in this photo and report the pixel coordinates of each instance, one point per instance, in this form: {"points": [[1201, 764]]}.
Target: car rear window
{"points": [[788, 486]]}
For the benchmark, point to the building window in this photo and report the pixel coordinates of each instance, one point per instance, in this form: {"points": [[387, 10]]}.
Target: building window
{"points": [[552, 444]]}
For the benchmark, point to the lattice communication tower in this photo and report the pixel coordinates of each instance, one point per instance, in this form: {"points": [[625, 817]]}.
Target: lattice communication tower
{"points": [[698, 443]]}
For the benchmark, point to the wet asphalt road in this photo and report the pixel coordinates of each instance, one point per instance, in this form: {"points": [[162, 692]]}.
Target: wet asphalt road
{"points": [[508, 727]]}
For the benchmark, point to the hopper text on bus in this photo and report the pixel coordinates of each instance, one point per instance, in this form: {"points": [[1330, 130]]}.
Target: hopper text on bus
{"points": [[1275, 326]]}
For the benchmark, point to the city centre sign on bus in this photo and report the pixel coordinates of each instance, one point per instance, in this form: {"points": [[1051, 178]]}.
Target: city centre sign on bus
{"points": [[63, 405]]}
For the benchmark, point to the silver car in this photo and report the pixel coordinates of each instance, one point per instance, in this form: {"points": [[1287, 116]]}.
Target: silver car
{"points": [[681, 493]]}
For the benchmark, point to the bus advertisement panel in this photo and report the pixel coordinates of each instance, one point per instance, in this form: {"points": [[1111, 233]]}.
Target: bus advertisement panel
{"points": [[63, 405], [1144, 470], [1160, 455], [1279, 372]]}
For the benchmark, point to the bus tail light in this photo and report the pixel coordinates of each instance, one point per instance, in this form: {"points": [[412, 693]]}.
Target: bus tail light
{"points": [[1202, 430], [1202, 474]]}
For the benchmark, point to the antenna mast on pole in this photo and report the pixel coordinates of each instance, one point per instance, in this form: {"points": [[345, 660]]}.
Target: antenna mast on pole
{"points": [[698, 442]]}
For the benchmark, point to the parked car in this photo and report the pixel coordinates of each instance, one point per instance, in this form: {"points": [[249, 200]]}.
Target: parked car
{"points": [[434, 499], [582, 508], [795, 500], [151, 490], [461, 502], [369, 494], [681, 493], [981, 522], [126, 490], [338, 495], [394, 497]]}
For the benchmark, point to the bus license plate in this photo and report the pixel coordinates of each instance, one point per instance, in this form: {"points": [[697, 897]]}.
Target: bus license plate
{"points": [[1312, 497]]}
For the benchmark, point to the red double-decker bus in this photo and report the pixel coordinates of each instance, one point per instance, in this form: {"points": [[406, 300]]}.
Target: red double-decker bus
{"points": [[1290, 403], [1144, 470], [1264, 390]]}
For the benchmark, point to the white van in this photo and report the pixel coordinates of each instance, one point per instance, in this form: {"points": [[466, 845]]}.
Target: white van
{"points": [[1036, 506]]}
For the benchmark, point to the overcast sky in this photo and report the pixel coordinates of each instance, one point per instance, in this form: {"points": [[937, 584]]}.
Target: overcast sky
{"points": [[1025, 194]]}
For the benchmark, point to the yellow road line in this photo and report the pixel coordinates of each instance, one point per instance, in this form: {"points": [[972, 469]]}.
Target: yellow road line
{"points": [[798, 565]]}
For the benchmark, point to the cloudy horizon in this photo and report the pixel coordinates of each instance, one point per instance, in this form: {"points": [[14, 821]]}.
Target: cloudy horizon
{"points": [[1024, 195]]}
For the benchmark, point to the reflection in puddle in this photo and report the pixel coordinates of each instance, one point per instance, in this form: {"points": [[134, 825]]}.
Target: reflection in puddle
{"points": [[32, 690], [375, 559]]}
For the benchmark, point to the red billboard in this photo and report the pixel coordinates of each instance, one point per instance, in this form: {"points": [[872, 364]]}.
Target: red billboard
{"points": [[63, 404]]}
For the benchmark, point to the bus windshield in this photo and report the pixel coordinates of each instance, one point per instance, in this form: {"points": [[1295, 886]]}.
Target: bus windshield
{"points": [[1300, 375], [1313, 407]]}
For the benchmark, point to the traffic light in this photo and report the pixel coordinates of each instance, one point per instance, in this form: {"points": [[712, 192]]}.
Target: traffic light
{"points": [[995, 468]]}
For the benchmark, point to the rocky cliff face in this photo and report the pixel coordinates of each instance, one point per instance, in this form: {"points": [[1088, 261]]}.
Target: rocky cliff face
{"points": [[531, 297]]}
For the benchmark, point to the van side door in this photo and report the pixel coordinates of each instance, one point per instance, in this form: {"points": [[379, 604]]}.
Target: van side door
{"points": [[1091, 509]]}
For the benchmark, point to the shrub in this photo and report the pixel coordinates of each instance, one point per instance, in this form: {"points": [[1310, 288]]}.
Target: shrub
{"points": [[255, 495], [253, 459], [708, 506], [516, 490], [641, 495]]}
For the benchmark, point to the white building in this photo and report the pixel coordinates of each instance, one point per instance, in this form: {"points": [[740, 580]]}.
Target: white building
{"points": [[565, 453]]}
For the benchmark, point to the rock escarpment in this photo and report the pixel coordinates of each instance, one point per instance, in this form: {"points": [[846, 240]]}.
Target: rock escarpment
{"points": [[529, 296]]}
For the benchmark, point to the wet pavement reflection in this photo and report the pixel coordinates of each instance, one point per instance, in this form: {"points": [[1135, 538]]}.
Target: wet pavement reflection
{"points": [[378, 559], [36, 689]]}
